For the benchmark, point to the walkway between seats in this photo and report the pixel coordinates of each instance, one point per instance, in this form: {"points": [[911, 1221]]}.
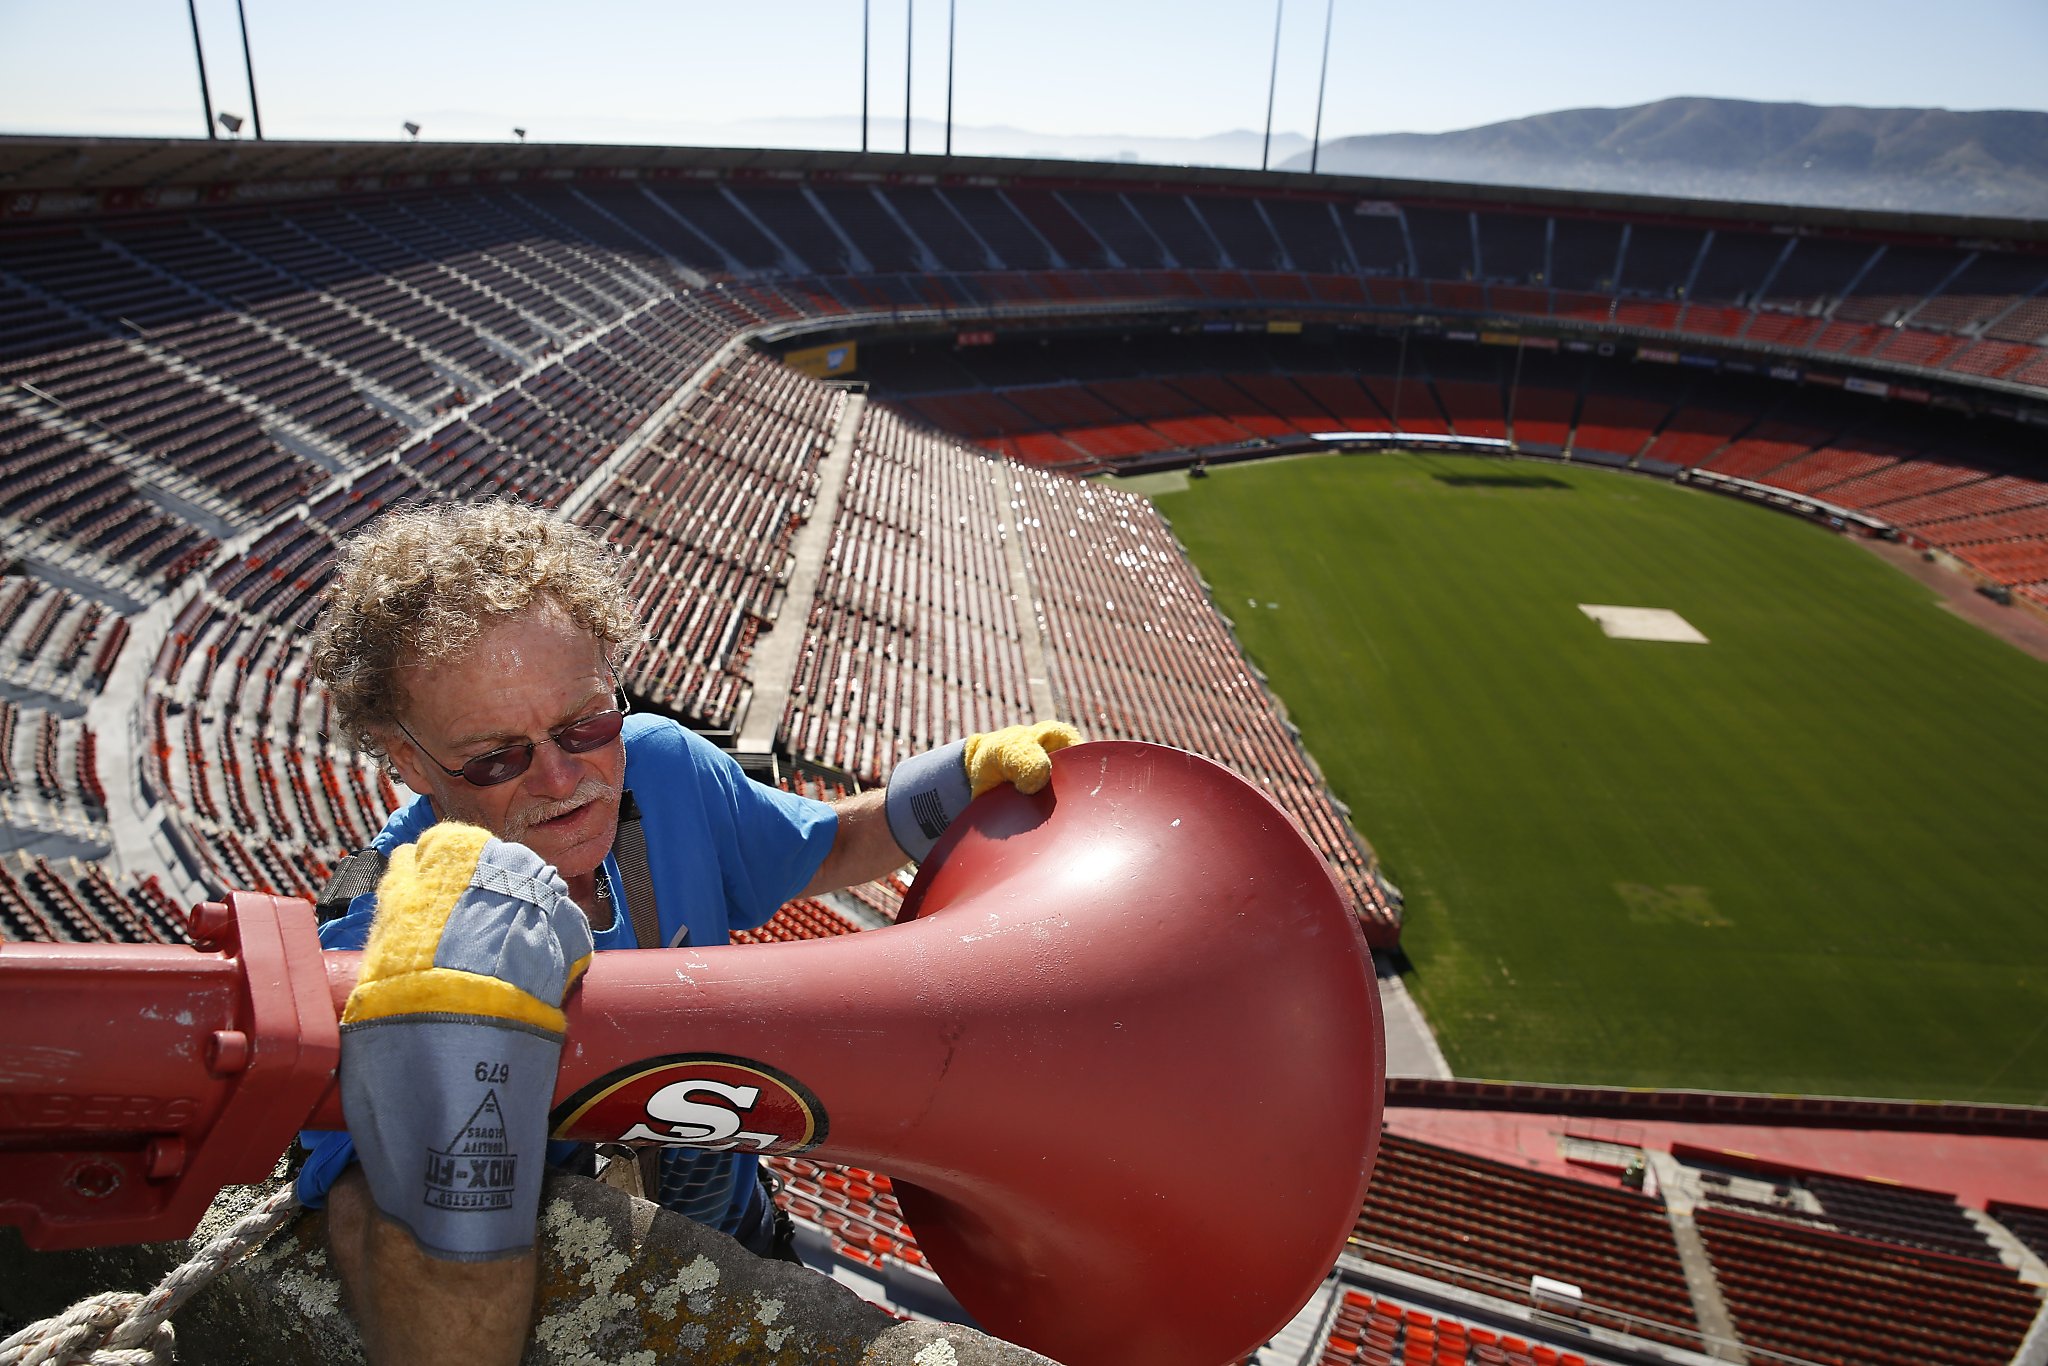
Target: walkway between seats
{"points": [[1037, 678], [779, 651]]}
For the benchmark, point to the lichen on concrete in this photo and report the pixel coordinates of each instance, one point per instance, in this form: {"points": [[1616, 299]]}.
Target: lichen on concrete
{"points": [[620, 1282]]}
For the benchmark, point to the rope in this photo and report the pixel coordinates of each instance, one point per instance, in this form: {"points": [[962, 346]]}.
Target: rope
{"points": [[122, 1328]]}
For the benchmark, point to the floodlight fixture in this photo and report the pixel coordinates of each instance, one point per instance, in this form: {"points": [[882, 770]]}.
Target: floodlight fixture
{"points": [[519, 133], [413, 128], [231, 122]]}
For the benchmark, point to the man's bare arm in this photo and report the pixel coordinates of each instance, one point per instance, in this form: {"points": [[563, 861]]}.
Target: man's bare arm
{"points": [[415, 1310], [863, 849], [941, 781]]}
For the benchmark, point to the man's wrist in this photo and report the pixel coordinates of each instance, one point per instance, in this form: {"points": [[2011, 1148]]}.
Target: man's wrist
{"points": [[927, 792]]}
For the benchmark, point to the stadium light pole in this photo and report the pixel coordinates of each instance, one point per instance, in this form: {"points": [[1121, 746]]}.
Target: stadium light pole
{"points": [[1272, 83], [205, 95], [249, 67], [864, 7], [1315, 145], [951, 7], [909, 33]]}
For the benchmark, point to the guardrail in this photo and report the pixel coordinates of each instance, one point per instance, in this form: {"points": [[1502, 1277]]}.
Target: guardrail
{"points": [[1720, 1107]]}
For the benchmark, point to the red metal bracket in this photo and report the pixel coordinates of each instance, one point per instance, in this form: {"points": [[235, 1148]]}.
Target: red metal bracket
{"points": [[137, 1081]]}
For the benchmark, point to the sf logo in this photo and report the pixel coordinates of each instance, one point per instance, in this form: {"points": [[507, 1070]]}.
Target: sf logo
{"points": [[680, 1115], [695, 1100]]}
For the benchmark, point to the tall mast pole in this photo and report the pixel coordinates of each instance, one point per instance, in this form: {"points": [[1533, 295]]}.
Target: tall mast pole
{"points": [[249, 66], [951, 6], [205, 96], [1272, 84], [1315, 147], [864, 6], [909, 32]]}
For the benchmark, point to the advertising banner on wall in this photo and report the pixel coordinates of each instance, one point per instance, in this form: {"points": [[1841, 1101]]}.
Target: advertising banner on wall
{"points": [[823, 362]]}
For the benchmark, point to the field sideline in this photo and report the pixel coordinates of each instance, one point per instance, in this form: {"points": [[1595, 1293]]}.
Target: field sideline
{"points": [[1807, 856]]}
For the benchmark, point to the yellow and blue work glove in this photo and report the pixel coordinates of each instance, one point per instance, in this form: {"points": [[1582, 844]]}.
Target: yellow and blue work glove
{"points": [[928, 791], [452, 1036]]}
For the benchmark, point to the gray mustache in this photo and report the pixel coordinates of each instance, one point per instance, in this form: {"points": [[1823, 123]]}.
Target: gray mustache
{"points": [[590, 790]]}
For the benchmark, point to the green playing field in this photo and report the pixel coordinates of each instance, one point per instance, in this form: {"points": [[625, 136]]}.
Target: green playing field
{"points": [[1808, 855]]}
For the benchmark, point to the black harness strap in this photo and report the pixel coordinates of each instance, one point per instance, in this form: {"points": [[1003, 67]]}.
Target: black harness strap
{"points": [[358, 873], [629, 848], [629, 851]]}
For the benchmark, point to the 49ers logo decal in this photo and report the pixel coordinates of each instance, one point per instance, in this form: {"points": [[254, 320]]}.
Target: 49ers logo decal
{"points": [[695, 1100]]}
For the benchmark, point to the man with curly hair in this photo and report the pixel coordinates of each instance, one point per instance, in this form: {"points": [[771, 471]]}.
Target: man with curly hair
{"points": [[474, 648]]}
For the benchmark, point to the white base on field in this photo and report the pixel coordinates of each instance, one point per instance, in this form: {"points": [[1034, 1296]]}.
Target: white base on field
{"points": [[1644, 623]]}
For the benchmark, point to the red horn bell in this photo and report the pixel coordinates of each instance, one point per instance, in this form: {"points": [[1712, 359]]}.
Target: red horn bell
{"points": [[1123, 1063], [1176, 1140]]}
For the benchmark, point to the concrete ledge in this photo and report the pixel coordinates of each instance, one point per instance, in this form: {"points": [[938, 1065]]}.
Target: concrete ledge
{"points": [[621, 1280]]}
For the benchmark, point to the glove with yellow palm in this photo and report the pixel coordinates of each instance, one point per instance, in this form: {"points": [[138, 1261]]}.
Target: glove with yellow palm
{"points": [[452, 1036], [928, 791]]}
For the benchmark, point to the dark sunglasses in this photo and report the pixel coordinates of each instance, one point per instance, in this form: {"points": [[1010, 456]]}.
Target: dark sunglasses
{"points": [[504, 764]]}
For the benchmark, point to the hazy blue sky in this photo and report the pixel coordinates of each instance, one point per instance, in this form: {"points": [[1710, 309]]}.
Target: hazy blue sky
{"points": [[680, 72]]}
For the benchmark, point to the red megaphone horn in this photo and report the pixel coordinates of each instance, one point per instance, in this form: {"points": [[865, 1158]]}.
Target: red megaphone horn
{"points": [[1123, 1062]]}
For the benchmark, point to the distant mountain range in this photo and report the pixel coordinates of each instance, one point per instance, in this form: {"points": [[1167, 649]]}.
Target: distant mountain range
{"points": [[1923, 160]]}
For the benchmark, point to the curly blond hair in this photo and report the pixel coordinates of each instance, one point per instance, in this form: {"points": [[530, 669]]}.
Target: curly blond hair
{"points": [[419, 584]]}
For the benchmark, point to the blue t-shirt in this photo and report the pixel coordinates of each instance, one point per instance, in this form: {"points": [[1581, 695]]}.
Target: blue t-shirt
{"points": [[724, 853]]}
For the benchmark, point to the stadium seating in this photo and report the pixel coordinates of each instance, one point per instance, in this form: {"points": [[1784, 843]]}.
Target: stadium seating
{"points": [[704, 514], [1821, 1296], [1645, 417], [856, 1209], [2024, 320], [1622, 426], [1897, 1214], [2025, 1223], [804, 918], [54, 642], [1134, 650], [1490, 1226], [1585, 255], [71, 900], [1815, 274], [49, 777], [913, 639], [1541, 418], [1377, 1331], [1763, 449], [1873, 1210]]}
